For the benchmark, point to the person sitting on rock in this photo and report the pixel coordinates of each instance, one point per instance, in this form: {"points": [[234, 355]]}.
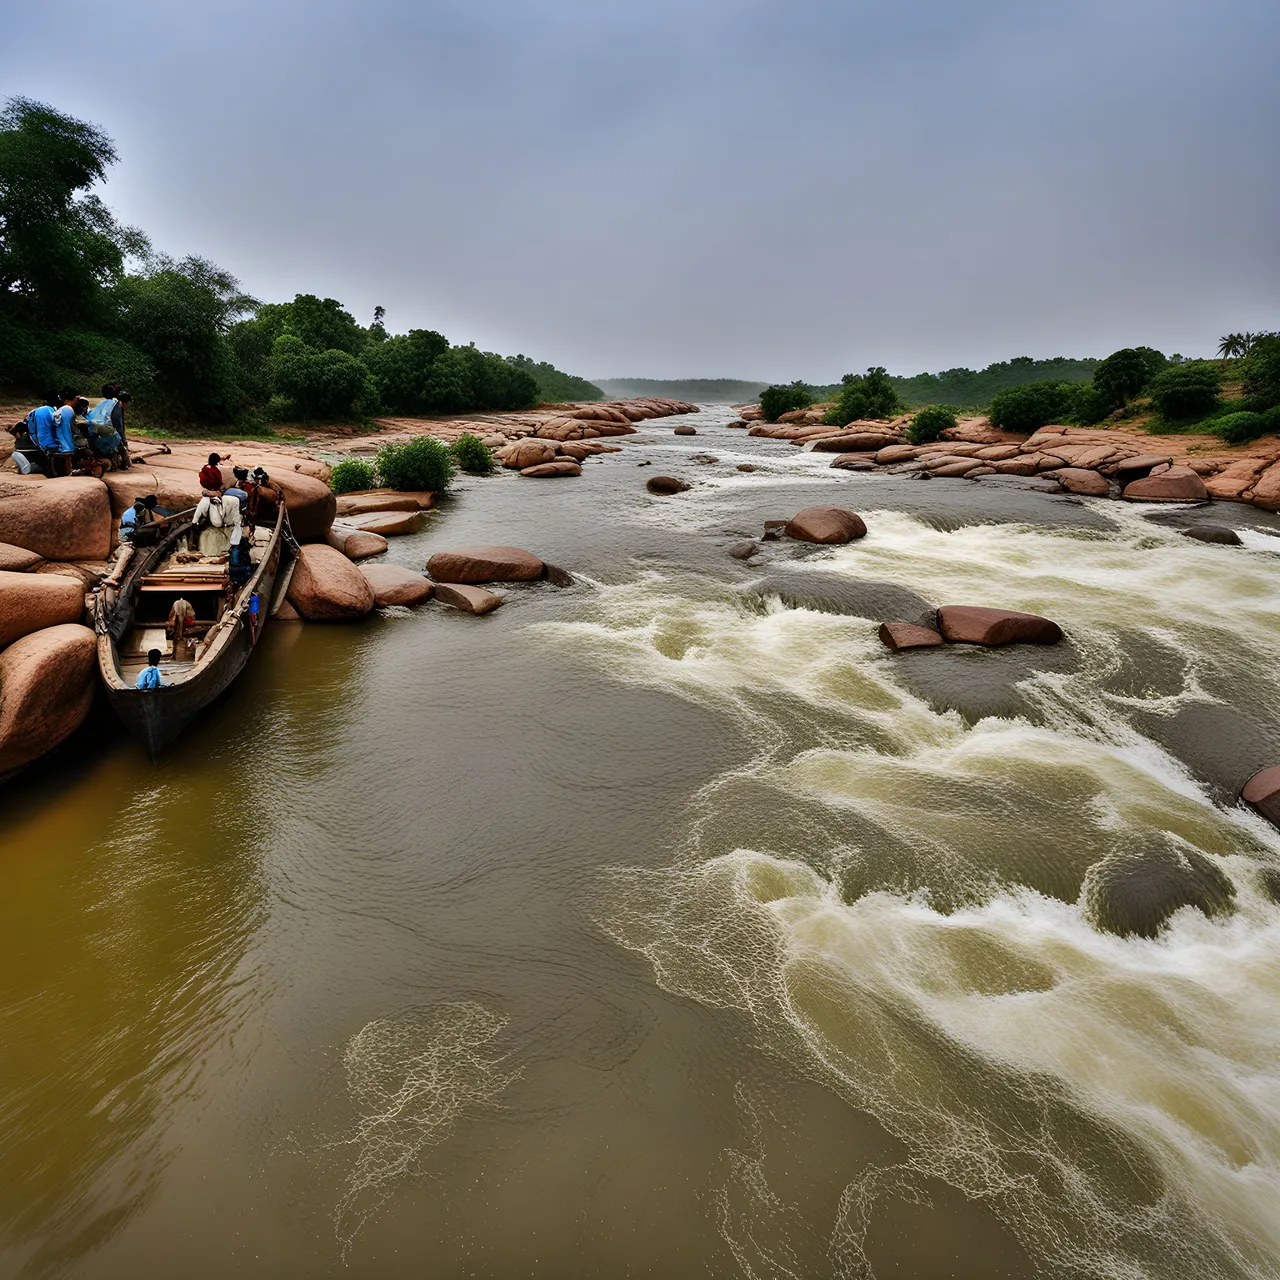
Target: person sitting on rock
{"points": [[240, 489], [211, 476], [64, 435], [28, 456], [149, 677], [44, 422]]}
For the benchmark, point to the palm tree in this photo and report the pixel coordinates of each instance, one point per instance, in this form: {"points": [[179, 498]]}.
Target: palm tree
{"points": [[1232, 345]]}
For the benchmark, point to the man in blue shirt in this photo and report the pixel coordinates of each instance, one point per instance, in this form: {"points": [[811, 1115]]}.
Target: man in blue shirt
{"points": [[149, 677], [43, 425]]}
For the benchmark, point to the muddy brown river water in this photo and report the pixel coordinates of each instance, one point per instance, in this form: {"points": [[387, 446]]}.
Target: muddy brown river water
{"points": [[655, 926]]}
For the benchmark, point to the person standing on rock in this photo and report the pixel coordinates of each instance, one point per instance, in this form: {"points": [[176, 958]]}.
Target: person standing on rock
{"points": [[149, 677]]}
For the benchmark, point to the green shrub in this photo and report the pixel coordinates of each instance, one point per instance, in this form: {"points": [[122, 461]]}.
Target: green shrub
{"points": [[351, 475], [1261, 369], [1240, 428], [1186, 390], [869, 396], [472, 455], [1123, 374], [1033, 405], [422, 463], [777, 400], [929, 424], [1088, 405]]}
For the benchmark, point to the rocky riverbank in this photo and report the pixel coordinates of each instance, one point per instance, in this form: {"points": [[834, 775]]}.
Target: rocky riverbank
{"points": [[58, 538]]}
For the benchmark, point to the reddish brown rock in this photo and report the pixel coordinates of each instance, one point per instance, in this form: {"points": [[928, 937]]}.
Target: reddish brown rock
{"points": [[64, 519], [549, 470], [1142, 462], [907, 635], [1174, 484], [394, 584], [1016, 467], [485, 564], [665, 485], [855, 442], [355, 544], [1262, 793], [468, 599], [47, 683], [1266, 489], [326, 586], [895, 453], [743, 550], [16, 559], [974, 430], [1236, 480], [684, 429], [825, 525], [372, 501], [854, 462], [390, 524], [745, 466], [528, 453], [33, 601], [1087, 483], [969, 624], [285, 612], [998, 452], [578, 451], [961, 467]]}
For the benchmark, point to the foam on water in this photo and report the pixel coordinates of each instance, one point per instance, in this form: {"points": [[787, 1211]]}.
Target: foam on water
{"points": [[1115, 1101]]}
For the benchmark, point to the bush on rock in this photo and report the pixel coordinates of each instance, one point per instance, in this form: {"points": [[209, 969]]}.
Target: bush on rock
{"points": [[472, 455], [929, 424], [872, 395], [777, 400], [351, 475], [417, 465]]}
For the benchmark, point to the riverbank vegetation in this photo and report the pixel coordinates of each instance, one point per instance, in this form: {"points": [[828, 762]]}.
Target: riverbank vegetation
{"points": [[85, 300]]}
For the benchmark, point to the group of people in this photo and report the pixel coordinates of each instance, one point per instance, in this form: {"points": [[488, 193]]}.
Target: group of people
{"points": [[64, 436]]}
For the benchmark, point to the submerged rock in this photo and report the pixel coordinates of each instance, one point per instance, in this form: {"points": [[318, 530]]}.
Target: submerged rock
{"points": [[485, 564], [969, 624], [826, 525], [1136, 893], [743, 550], [466, 598], [1213, 533], [665, 485], [394, 584], [834, 593]]}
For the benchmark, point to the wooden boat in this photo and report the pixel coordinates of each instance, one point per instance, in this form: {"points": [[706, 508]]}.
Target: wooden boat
{"points": [[132, 612]]}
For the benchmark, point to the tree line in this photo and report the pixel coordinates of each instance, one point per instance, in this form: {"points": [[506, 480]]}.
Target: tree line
{"points": [[85, 299]]}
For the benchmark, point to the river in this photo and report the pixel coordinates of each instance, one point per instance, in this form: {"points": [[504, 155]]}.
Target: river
{"points": [[651, 926]]}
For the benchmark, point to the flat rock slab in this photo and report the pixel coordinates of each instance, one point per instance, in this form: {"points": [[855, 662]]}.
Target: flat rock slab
{"points": [[907, 635], [372, 501], [971, 624], [32, 601], [394, 584], [1089, 484], [826, 525], [355, 544], [16, 559], [485, 564], [549, 470], [390, 524], [855, 462], [665, 485], [467, 599], [1142, 462], [855, 442]]}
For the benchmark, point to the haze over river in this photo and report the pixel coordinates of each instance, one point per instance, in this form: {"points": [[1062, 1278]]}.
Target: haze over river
{"points": [[652, 926]]}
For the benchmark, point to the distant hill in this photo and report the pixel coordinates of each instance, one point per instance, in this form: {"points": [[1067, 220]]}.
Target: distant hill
{"points": [[699, 390]]}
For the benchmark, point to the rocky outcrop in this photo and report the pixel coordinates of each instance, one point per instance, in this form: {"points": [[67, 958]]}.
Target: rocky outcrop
{"points": [[485, 564], [355, 544], [526, 453], [1167, 484], [394, 584], [969, 624], [908, 635], [467, 599], [16, 559], [33, 601], [827, 525], [64, 519], [665, 485], [855, 442], [47, 683], [1088, 484], [1266, 489], [327, 587], [550, 470], [390, 524], [1136, 893]]}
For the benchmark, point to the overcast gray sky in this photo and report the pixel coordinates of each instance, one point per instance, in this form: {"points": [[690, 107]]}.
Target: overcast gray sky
{"points": [[748, 188]]}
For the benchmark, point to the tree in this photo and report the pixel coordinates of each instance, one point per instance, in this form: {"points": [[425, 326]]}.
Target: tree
{"points": [[553, 385], [1125, 373], [400, 367], [1187, 390], [869, 396], [317, 384], [1231, 346], [1034, 405], [778, 399], [1262, 370]]}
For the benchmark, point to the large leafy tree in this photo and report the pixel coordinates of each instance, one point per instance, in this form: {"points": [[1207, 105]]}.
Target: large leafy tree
{"points": [[59, 244], [1125, 373]]}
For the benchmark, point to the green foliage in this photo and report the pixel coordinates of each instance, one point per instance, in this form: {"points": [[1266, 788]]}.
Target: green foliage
{"points": [[1030, 407], [351, 475], [1126, 373], [1238, 428], [416, 465], [1187, 390], [869, 396], [400, 366], [318, 384], [472, 455], [975, 389], [777, 400], [554, 386], [1261, 369], [1088, 404], [929, 424]]}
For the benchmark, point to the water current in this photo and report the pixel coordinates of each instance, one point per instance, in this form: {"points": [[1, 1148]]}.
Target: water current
{"points": [[667, 923]]}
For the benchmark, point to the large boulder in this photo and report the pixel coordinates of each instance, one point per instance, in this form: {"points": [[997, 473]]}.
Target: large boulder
{"points": [[1172, 484], [16, 559], [466, 598], [826, 525], [175, 490], [908, 635], [326, 586], [64, 519], [855, 442], [485, 564], [1088, 484], [1136, 893], [1266, 490], [47, 683], [665, 485], [355, 544], [896, 453], [394, 584], [32, 601], [528, 453], [969, 624], [549, 470], [1213, 533], [1262, 792], [390, 524]]}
